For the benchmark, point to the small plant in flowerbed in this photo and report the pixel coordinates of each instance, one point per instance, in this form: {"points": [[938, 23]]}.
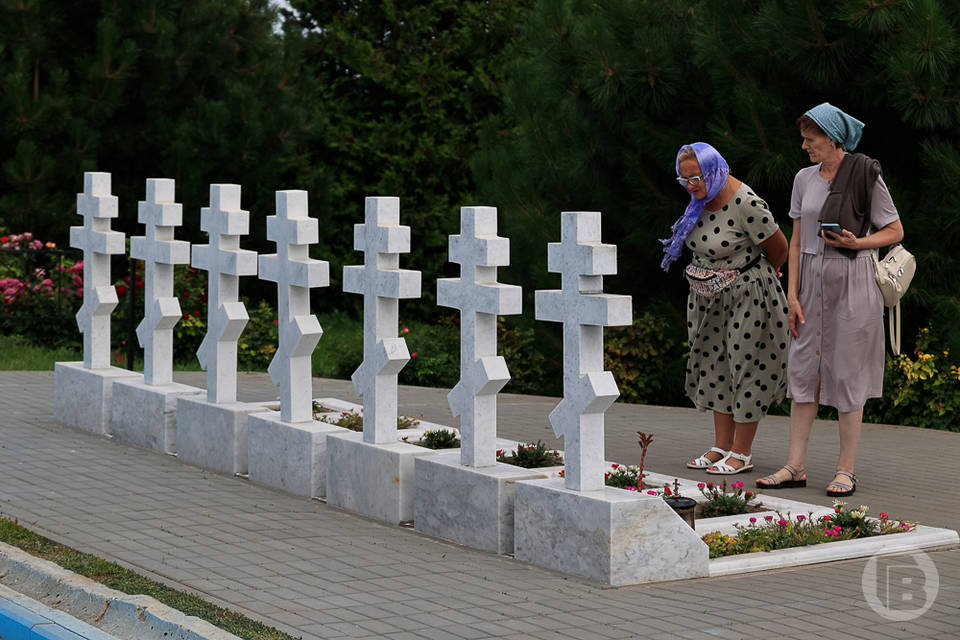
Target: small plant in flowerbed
{"points": [[437, 439], [726, 500], [531, 456], [354, 421], [782, 532]]}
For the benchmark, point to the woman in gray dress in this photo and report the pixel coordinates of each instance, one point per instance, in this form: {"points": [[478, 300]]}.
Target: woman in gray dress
{"points": [[736, 310], [835, 306]]}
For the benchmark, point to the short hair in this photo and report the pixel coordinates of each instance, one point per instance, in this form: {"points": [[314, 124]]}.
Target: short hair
{"points": [[806, 123]]}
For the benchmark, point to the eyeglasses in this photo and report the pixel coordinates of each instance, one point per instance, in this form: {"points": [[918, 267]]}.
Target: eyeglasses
{"points": [[692, 180]]}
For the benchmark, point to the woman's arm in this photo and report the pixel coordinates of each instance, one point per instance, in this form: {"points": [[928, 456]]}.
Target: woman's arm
{"points": [[890, 234], [794, 312], [776, 248]]}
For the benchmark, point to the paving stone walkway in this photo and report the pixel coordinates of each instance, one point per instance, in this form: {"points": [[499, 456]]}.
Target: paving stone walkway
{"points": [[319, 572]]}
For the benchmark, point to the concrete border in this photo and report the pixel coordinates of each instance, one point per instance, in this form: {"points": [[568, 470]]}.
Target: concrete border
{"points": [[113, 612]]}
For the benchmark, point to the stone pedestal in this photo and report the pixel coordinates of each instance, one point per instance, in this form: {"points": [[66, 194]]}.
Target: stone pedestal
{"points": [[288, 456], [611, 535], [214, 435], [145, 415], [83, 398], [376, 480], [472, 506]]}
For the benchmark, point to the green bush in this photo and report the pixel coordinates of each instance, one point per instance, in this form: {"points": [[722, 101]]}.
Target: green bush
{"points": [[923, 391], [531, 456], [646, 361]]}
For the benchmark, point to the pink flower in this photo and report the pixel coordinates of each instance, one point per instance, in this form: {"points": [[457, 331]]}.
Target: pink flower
{"points": [[701, 485], [413, 355], [614, 466], [752, 519], [782, 522], [801, 517], [651, 493], [825, 518], [406, 330], [768, 518], [737, 485], [631, 488]]}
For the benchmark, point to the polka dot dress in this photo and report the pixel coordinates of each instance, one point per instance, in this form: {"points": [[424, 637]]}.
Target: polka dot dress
{"points": [[738, 338]]}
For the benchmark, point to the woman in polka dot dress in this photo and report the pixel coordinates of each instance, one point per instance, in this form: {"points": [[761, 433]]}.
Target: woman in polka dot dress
{"points": [[736, 310]]}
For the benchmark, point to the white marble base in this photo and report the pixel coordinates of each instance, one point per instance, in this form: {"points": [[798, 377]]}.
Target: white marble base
{"points": [[146, 415], [288, 456], [214, 436], [83, 398], [472, 506], [614, 536], [376, 480]]}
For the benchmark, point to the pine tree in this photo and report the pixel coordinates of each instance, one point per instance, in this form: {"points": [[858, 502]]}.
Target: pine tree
{"points": [[603, 94], [198, 91], [405, 85]]}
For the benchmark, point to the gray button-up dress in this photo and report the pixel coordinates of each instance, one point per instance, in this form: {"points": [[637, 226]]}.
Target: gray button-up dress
{"points": [[842, 339]]}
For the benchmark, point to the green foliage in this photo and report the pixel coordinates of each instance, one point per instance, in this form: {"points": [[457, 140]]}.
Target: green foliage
{"points": [[601, 95], [923, 391], [646, 360], [782, 531], [439, 439], [259, 339], [528, 366], [354, 421], [202, 92], [531, 456], [622, 476], [725, 501], [404, 86], [434, 353]]}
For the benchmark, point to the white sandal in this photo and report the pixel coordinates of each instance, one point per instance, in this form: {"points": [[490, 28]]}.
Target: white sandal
{"points": [[703, 461], [723, 469]]}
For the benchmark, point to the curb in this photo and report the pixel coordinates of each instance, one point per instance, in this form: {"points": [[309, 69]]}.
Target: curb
{"points": [[125, 616]]}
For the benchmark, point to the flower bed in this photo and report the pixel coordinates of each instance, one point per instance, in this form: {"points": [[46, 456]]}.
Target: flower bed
{"points": [[785, 531]]}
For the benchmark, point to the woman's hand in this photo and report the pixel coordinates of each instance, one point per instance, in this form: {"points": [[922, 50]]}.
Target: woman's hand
{"points": [[843, 240], [795, 315]]}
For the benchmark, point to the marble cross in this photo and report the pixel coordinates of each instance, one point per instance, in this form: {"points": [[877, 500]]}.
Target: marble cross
{"points": [[381, 281], [588, 391], [224, 261], [98, 242], [295, 273], [160, 252], [480, 298]]}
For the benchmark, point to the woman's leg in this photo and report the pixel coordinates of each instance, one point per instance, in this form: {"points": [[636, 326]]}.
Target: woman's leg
{"points": [[802, 415], [850, 427], [723, 429], [736, 436]]}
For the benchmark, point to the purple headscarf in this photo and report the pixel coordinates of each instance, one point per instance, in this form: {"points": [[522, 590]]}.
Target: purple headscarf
{"points": [[715, 172]]}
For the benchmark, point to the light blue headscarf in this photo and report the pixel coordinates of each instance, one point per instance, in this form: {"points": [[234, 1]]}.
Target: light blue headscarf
{"points": [[838, 126], [715, 172]]}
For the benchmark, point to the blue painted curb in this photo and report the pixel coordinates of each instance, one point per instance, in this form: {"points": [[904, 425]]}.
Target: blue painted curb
{"points": [[22, 618]]}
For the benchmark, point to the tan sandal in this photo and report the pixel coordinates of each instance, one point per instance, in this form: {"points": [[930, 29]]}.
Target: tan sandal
{"points": [[795, 480], [837, 489]]}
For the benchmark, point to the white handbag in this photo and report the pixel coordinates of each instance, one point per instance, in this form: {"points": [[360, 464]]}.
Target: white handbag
{"points": [[894, 274]]}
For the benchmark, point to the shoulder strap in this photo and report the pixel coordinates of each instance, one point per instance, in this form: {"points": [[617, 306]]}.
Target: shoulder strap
{"points": [[893, 323]]}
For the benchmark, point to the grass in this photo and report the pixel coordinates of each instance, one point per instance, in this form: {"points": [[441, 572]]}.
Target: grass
{"points": [[117, 577], [19, 354], [337, 356]]}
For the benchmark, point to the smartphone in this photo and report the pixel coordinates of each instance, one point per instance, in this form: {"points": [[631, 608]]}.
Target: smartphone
{"points": [[832, 227]]}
